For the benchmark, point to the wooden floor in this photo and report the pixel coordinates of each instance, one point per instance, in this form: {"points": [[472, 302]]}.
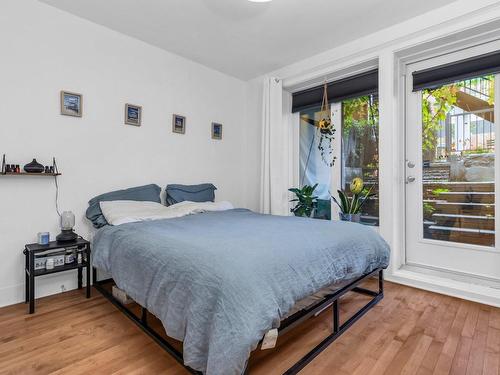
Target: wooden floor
{"points": [[409, 332]]}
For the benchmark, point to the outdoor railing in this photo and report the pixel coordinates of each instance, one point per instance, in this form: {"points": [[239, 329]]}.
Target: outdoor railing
{"points": [[469, 131], [478, 87]]}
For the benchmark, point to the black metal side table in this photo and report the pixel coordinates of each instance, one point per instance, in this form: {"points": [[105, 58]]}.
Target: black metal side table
{"points": [[30, 252]]}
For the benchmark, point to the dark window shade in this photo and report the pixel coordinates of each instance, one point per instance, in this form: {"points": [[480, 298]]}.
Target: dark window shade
{"points": [[457, 71], [347, 88]]}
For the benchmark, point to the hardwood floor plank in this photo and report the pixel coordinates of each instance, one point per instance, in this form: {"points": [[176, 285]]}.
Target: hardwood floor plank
{"points": [[450, 346], [431, 357], [476, 358], [461, 358], [386, 358], [411, 367]]}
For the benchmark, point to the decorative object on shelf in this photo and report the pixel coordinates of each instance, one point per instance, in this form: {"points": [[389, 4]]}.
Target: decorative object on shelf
{"points": [[49, 264], [71, 104], [133, 114], [69, 257], [178, 124], [33, 167], [43, 238], [14, 169], [216, 130], [306, 201], [350, 207], [67, 223]]}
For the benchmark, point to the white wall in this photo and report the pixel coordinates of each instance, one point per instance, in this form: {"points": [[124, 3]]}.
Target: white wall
{"points": [[45, 50], [437, 29]]}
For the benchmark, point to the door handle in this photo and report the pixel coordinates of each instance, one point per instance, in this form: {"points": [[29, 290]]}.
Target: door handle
{"points": [[410, 179]]}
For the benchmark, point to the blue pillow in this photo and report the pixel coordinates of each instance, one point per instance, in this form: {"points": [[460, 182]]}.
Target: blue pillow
{"points": [[150, 193], [195, 193]]}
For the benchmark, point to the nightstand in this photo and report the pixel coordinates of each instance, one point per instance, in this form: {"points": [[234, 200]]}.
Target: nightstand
{"points": [[36, 254]]}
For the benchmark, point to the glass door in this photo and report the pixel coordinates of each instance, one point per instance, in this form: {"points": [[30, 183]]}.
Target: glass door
{"points": [[451, 169]]}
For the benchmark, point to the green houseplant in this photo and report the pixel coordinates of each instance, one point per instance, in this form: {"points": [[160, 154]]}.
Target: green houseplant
{"points": [[306, 201], [350, 207]]}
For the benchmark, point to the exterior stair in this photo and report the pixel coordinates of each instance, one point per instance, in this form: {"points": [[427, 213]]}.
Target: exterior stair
{"points": [[460, 212]]}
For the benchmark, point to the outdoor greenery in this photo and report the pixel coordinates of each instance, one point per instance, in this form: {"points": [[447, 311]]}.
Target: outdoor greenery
{"points": [[428, 209], [436, 103], [359, 113], [360, 117], [306, 201], [438, 191]]}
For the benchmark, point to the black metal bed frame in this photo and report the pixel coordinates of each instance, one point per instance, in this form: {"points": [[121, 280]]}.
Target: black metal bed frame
{"points": [[286, 325]]}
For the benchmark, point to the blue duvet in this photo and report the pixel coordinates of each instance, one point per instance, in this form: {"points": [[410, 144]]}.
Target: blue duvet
{"points": [[220, 280]]}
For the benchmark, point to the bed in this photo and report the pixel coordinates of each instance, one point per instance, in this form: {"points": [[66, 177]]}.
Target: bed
{"points": [[220, 280]]}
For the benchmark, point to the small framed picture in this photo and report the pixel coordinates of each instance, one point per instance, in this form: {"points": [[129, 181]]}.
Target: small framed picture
{"points": [[216, 130], [178, 124], [71, 104], [133, 114]]}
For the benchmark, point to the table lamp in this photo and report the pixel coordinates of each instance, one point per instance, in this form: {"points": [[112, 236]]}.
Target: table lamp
{"points": [[67, 224]]}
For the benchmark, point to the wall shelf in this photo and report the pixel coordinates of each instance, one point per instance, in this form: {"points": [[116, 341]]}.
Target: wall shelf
{"points": [[43, 174], [23, 173]]}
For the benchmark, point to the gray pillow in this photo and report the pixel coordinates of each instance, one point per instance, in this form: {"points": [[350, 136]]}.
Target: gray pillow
{"points": [[195, 193], [150, 193]]}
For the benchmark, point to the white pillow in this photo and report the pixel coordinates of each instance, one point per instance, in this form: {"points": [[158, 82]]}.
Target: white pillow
{"points": [[121, 212]]}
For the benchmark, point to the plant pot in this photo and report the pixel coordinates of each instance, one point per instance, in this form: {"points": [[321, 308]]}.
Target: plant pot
{"points": [[34, 167], [355, 218], [313, 212]]}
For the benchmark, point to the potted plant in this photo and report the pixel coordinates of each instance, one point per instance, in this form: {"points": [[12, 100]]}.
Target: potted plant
{"points": [[306, 201], [350, 207]]}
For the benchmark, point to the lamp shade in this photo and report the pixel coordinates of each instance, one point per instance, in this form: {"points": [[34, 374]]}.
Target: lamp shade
{"points": [[67, 220]]}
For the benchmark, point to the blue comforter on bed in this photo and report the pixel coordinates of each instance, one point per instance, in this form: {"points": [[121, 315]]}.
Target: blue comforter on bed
{"points": [[220, 280]]}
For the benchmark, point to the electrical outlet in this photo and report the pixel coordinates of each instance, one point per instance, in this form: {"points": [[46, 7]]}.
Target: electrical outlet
{"points": [[63, 288]]}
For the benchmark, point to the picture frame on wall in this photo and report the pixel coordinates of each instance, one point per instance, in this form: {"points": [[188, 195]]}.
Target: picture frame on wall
{"points": [[71, 104], [178, 124], [133, 114], [216, 131]]}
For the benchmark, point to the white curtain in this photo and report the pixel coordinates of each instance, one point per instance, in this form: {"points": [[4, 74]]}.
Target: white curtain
{"points": [[278, 162]]}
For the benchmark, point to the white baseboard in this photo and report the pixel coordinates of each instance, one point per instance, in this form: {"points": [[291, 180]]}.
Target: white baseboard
{"points": [[469, 291], [44, 286]]}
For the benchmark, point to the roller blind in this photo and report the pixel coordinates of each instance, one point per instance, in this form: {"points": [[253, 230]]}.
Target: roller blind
{"points": [[456, 71], [351, 87]]}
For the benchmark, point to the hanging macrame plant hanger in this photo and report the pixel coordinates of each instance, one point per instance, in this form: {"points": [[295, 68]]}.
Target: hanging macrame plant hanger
{"points": [[326, 133], [325, 113]]}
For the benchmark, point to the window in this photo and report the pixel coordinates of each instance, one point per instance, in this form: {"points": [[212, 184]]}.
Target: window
{"points": [[360, 124], [358, 131]]}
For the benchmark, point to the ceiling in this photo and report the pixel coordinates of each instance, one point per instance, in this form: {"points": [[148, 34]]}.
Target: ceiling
{"points": [[245, 39]]}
